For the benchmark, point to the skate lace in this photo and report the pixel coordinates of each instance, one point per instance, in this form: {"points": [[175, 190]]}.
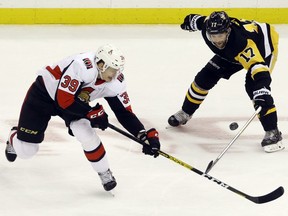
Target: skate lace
{"points": [[181, 116], [106, 177]]}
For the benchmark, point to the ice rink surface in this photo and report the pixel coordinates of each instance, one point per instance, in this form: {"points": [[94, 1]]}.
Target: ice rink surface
{"points": [[162, 61]]}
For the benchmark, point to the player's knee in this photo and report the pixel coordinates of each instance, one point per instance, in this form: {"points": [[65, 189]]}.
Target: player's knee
{"points": [[82, 130], [25, 150], [198, 87], [85, 134], [207, 78]]}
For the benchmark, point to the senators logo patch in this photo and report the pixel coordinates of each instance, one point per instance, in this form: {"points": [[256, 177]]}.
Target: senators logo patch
{"points": [[88, 63]]}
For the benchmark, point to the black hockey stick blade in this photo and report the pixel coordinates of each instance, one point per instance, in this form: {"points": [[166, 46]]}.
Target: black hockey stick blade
{"points": [[268, 197], [256, 199], [209, 167]]}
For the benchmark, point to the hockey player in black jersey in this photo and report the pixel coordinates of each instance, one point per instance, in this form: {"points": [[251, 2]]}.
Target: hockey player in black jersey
{"points": [[237, 44]]}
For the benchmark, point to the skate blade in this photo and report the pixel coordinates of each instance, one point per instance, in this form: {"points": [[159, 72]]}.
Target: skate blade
{"points": [[112, 192], [169, 127], [275, 149]]}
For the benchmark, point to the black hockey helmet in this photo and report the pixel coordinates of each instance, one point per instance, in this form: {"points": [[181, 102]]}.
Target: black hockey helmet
{"points": [[218, 22]]}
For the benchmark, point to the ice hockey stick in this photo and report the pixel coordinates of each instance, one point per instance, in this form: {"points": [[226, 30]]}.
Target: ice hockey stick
{"points": [[256, 199], [212, 163]]}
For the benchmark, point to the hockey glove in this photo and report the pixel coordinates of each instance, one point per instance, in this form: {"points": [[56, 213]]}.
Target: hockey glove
{"points": [[151, 139], [98, 117], [190, 22], [262, 97]]}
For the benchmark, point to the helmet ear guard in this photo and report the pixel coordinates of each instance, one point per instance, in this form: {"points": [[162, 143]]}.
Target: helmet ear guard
{"points": [[111, 56], [218, 22]]}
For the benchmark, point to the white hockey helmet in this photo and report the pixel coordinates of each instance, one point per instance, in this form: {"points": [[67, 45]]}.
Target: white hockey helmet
{"points": [[111, 56]]}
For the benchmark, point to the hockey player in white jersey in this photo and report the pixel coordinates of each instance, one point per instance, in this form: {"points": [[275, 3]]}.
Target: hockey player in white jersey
{"points": [[65, 89]]}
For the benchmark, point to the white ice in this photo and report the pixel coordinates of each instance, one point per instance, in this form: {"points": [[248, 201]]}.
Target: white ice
{"points": [[162, 61]]}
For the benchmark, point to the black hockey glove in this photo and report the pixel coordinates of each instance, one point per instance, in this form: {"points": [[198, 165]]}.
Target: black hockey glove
{"points": [[151, 139], [98, 117], [190, 22], [262, 97]]}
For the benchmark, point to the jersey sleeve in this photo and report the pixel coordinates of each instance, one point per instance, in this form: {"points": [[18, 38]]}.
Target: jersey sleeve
{"points": [[121, 106], [201, 23]]}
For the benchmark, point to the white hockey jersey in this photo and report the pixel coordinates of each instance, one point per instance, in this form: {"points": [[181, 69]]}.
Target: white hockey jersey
{"points": [[64, 78]]}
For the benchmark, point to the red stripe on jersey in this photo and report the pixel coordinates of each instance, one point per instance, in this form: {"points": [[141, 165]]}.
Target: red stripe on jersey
{"points": [[89, 89], [64, 99], [56, 72], [99, 81], [96, 155]]}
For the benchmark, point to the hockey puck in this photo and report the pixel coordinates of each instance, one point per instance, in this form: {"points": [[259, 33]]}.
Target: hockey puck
{"points": [[233, 126]]}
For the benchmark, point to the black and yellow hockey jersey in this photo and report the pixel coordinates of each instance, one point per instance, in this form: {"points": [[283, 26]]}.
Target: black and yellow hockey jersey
{"points": [[249, 44]]}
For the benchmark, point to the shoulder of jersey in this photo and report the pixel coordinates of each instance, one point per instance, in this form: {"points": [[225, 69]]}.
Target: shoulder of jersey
{"points": [[87, 64], [87, 60]]}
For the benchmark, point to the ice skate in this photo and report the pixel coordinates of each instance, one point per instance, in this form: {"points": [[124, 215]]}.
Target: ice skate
{"points": [[108, 180], [10, 151], [179, 118], [272, 141]]}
